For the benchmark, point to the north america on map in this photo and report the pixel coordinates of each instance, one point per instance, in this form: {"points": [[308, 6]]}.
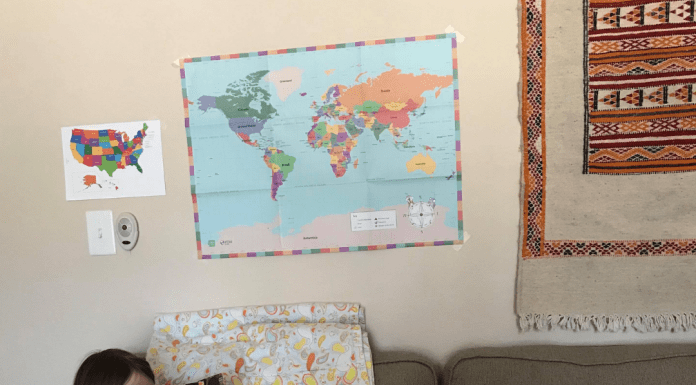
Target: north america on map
{"points": [[107, 150]]}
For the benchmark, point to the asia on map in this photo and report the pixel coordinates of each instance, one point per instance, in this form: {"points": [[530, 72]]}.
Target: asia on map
{"points": [[113, 160], [331, 148]]}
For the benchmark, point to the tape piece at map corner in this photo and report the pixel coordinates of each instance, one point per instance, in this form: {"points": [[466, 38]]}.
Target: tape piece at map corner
{"points": [[459, 246], [175, 63], [450, 29]]}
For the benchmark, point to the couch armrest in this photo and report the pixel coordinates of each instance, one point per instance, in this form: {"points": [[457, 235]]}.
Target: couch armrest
{"points": [[396, 368]]}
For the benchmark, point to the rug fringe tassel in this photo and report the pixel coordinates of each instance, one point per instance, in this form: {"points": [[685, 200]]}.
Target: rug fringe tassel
{"points": [[609, 323]]}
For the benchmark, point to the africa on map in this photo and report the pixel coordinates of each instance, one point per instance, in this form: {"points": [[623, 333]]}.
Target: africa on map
{"points": [[285, 145]]}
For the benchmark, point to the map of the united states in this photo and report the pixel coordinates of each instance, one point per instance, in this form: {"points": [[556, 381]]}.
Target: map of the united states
{"points": [[107, 150]]}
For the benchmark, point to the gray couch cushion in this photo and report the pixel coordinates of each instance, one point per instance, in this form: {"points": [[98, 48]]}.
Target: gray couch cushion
{"points": [[541, 365], [403, 369]]}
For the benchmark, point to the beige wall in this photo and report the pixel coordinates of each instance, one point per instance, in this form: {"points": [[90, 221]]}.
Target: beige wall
{"points": [[81, 62]]}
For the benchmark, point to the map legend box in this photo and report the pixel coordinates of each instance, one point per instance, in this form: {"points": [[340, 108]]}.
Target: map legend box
{"points": [[373, 220]]}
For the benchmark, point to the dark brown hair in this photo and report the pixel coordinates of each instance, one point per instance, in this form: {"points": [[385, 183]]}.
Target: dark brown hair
{"points": [[111, 367]]}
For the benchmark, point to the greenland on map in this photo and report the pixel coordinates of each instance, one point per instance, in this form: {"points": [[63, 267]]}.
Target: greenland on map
{"points": [[330, 148]]}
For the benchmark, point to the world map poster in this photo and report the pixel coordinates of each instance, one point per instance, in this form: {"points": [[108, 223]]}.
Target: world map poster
{"points": [[334, 148]]}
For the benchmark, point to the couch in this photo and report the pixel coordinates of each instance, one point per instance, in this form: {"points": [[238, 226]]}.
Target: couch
{"points": [[542, 365]]}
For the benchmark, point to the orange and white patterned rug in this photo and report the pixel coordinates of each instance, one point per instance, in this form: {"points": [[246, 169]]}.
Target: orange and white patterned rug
{"points": [[608, 232]]}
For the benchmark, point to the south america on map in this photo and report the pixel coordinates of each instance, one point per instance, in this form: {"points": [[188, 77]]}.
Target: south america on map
{"points": [[285, 145], [113, 160]]}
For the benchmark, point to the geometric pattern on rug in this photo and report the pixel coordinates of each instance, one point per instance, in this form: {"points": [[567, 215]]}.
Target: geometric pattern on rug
{"points": [[640, 87], [534, 245]]}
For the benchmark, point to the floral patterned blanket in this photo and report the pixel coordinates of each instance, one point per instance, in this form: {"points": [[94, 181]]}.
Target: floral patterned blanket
{"points": [[310, 344]]}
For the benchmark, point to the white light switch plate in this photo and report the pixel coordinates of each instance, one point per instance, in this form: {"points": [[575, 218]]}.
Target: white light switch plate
{"points": [[100, 233]]}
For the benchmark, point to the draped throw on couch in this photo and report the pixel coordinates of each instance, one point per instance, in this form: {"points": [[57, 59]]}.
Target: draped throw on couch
{"points": [[310, 344]]}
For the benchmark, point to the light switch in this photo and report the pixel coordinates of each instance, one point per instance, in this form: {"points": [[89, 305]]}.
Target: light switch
{"points": [[100, 233]]}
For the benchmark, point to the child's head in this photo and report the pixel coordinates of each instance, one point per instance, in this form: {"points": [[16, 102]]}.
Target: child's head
{"points": [[114, 367]]}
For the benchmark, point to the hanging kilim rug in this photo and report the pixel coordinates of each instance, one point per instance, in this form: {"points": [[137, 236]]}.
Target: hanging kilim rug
{"points": [[608, 234]]}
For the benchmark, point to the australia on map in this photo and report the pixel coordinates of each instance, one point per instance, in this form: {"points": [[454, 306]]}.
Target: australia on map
{"points": [[284, 147]]}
